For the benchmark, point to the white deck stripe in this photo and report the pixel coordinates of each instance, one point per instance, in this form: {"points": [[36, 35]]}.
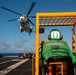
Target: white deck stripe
{"points": [[8, 69], [7, 61]]}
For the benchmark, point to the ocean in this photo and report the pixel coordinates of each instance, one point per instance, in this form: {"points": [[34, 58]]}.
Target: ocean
{"points": [[10, 54]]}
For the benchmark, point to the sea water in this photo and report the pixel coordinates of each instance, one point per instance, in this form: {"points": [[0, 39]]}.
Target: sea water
{"points": [[10, 54]]}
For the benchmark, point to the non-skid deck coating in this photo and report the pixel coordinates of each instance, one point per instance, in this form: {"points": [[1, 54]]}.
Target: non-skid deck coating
{"points": [[23, 66], [7, 59], [24, 69]]}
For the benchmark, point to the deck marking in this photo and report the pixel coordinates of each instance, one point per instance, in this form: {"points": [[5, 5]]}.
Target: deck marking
{"points": [[8, 61], [8, 69]]}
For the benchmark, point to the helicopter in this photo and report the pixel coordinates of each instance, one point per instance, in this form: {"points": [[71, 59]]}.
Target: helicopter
{"points": [[24, 19]]}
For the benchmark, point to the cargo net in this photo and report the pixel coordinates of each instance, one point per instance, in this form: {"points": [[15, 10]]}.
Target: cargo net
{"points": [[56, 21]]}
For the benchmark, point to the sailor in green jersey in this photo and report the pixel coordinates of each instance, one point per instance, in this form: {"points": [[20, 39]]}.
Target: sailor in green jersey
{"points": [[56, 47]]}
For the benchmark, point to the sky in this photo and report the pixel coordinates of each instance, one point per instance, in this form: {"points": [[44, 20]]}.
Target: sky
{"points": [[12, 40]]}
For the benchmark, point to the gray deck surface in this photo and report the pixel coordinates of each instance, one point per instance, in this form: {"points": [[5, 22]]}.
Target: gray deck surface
{"points": [[23, 69]]}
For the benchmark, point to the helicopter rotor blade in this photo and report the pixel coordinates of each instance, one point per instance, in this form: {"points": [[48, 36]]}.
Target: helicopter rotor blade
{"points": [[32, 5], [32, 16], [11, 10], [31, 22], [12, 20]]}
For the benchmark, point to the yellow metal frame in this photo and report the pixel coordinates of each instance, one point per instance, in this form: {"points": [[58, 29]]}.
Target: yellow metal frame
{"points": [[33, 65], [54, 19]]}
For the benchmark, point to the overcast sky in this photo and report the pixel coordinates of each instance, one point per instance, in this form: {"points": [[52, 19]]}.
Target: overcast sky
{"points": [[11, 40]]}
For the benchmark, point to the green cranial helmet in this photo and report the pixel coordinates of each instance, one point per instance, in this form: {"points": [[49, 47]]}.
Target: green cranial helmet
{"points": [[55, 34]]}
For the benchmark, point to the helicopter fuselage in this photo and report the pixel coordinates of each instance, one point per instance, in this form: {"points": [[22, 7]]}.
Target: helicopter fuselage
{"points": [[25, 27], [24, 19]]}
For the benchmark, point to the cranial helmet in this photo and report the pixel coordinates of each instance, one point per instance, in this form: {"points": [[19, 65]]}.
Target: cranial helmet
{"points": [[55, 34]]}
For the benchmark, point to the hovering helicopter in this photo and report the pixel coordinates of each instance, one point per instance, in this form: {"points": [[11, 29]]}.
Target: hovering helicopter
{"points": [[24, 19]]}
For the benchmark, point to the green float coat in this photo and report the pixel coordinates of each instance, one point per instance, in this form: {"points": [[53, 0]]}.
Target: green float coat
{"points": [[55, 47]]}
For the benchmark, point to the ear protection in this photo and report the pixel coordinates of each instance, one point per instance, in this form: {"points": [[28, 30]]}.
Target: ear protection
{"points": [[59, 38], [49, 37]]}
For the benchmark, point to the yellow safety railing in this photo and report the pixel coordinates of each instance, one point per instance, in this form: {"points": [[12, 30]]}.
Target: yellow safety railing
{"points": [[54, 19]]}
